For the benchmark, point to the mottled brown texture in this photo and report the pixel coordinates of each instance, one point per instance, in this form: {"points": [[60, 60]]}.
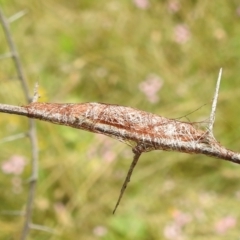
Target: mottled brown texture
{"points": [[123, 123], [142, 131]]}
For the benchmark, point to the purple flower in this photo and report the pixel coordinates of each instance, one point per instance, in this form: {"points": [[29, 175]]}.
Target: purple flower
{"points": [[174, 229], [181, 34], [173, 6], [100, 231], [150, 87], [181, 218], [142, 4], [224, 224], [173, 232], [14, 165]]}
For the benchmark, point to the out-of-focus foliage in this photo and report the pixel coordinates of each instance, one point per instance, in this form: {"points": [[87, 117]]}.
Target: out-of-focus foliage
{"points": [[159, 56]]}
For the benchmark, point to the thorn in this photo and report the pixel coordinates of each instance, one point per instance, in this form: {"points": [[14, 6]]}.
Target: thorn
{"points": [[214, 104], [137, 154], [17, 16]]}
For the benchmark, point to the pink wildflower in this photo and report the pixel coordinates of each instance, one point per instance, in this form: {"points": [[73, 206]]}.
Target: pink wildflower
{"points": [[173, 6], [142, 4], [100, 231], [150, 87], [181, 34], [14, 165], [224, 224]]}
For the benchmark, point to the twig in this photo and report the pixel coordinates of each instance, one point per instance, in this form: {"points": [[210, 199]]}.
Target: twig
{"points": [[43, 228], [17, 16], [12, 213], [214, 104], [15, 55], [6, 55], [32, 181], [128, 178], [32, 128], [12, 138], [141, 130]]}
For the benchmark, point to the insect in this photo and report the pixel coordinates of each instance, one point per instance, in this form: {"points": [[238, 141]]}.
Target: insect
{"points": [[142, 131]]}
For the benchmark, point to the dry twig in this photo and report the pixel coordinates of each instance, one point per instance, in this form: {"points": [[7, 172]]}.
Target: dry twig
{"points": [[214, 104], [32, 129], [142, 131]]}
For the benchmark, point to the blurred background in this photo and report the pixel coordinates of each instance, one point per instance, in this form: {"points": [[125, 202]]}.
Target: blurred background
{"points": [[158, 56]]}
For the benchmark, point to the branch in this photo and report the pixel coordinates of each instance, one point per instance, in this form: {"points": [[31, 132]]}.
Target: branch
{"points": [[141, 130], [12, 138], [15, 56], [43, 228], [32, 129]]}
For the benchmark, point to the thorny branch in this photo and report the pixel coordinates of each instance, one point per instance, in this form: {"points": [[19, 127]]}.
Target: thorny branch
{"points": [[15, 56], [32, 129], [142, 131], [210, 133]]}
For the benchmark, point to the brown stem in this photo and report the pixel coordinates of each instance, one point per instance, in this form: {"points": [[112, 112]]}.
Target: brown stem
{"points": [[137, 154]]}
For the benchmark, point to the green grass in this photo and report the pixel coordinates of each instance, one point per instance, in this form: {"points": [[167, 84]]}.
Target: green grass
{"points": [[85, 51]]}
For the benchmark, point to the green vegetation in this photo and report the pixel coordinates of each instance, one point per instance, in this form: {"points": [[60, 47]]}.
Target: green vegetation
{"points": [[163, 57]]}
